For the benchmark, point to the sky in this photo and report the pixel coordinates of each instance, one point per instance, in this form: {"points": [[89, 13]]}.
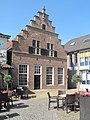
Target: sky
{"points": [[71, 18]]}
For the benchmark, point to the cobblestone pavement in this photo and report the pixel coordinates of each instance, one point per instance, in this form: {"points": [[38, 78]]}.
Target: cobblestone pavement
{"points": [[31, 109], [35, 109]]}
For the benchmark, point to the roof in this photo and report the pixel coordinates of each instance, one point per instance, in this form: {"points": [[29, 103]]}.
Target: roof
{"points": [[6, 66], [9, 45], [4, 36], [78, 44]]}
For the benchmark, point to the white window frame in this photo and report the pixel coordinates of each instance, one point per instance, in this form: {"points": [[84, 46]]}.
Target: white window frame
{"points": [[50, 74], [62, 76], [23, 73], [39, 74], [36, 47], [51, 51]]}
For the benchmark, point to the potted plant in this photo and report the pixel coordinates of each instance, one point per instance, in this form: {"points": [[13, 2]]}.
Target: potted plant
{"points": [[77, 79], [7, 79]]}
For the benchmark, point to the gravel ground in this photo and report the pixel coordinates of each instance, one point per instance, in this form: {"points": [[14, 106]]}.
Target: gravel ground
{"points": [[36, 109]]}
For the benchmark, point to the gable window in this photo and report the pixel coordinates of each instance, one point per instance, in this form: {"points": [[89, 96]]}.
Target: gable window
{"points": [[60, 76], [43, 26], [23, 71], [49, 75], [36, 47], [50, 48]]}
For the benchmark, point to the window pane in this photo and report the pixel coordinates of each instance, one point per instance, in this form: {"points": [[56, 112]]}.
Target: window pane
{"points": [[48, 45], [51, 46], [34, 43], [37, 70], [49, 74], [60, 75], [49, 70], [38, 43]]}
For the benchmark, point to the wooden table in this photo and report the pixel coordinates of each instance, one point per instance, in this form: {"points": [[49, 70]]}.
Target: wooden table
{"points": [[62, 99]]}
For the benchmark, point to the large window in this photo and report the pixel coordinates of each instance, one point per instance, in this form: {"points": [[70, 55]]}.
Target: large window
{"points": [[49, 75], [85, 76], [50, 48], [23, 74], [60, 76], [36, 47]]}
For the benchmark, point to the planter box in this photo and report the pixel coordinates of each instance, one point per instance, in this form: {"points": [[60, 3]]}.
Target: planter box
{"points": [[84, 107]]}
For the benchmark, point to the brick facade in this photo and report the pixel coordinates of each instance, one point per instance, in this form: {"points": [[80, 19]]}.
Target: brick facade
{"points": [[40, 29]]}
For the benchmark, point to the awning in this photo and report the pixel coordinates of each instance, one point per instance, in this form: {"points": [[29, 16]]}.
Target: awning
{"points": [[6, 66]]}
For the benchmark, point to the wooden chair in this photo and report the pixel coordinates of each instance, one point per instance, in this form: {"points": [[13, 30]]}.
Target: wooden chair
{"points": [[10, 96], [52, 99], [70, 102], [61, 92], [4, 100], [87, 90], [77, 101]]}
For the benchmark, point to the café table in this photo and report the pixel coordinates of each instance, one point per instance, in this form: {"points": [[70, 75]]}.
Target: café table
{"points": [[61, 98]]}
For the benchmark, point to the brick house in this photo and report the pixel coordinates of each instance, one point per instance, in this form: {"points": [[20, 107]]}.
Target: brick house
{"points": [[37, 56]]}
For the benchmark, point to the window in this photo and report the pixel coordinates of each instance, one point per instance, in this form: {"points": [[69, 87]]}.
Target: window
{"points": [[82, 61], [73, 43], [86, 60], [43, 26], [50, 48], [60, 76], [37, 70], [71, 64], [36, 45], [75, 58], [86, 40], [22, 74], [85, 77], [49, 75]]}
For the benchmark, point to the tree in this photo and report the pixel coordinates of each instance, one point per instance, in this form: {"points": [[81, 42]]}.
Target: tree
{"points": [[7, 79], [77, 79]]}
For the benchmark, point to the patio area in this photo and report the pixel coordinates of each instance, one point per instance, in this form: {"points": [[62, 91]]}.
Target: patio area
{"points": [[36, 108]]}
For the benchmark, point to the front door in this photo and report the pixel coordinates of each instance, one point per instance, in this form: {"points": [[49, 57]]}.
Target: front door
{"points": [[36, 81]]}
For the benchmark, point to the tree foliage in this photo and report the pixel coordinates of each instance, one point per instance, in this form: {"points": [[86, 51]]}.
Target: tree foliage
{"points": [[76, 78], [7, 78]]}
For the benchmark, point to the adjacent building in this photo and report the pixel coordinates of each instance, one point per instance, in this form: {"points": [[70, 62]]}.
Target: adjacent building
{"points": [[78, 60], [38, 58], [4, 67]]}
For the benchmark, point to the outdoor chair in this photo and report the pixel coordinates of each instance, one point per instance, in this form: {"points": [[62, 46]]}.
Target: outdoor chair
{"points": [[25, 92], [77, 101], [60, 92], [87, 90], [10, 96], [4, 100], [52, 99], [70, 102]]}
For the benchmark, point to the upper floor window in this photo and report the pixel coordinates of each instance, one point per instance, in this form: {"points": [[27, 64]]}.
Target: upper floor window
{"points": [[36, 45], [71, 64], [75, 59], [50, 48], [43, 26]]}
